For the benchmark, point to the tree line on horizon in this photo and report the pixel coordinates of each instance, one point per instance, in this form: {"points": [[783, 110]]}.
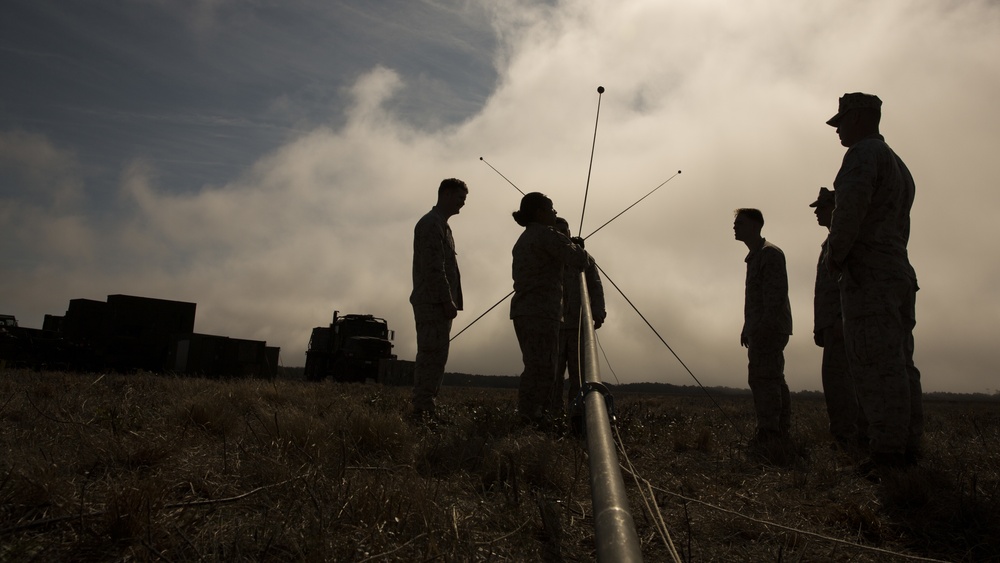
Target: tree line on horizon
{"points": [[456, 379]]}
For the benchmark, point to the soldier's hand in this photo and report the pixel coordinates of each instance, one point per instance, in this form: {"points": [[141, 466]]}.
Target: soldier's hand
{"points": [[743, 341], [577, 241], [598, 323], [450, 310], [818, 338]]}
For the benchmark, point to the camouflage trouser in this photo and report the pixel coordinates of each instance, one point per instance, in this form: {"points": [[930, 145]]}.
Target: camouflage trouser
{"points": [[569, 358], [879, 316], [847, 421], [539, 341], [433, 334], [766, 375]]}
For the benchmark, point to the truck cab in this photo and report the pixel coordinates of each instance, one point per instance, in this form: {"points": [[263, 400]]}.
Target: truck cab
{"points": [[350, 349]]}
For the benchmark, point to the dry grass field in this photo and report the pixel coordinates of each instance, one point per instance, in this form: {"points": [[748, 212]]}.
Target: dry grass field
{"points": [[149, 468]]}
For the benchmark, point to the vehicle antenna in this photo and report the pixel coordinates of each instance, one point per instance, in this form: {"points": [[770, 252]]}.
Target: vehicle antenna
{"points": [[501, 175], [586, 190], [633, 205]]}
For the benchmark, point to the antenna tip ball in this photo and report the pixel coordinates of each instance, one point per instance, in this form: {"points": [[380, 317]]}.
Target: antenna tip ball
{"points": [[480, 158], [678, 171], [600, 89]]}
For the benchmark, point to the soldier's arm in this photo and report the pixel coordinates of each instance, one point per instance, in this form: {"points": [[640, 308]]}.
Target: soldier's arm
{"points": [[774, 287], [430, 244], [854, 185], [566, 251]]}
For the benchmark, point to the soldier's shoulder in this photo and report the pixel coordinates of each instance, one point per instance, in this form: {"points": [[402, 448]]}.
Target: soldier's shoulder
{"points": [[771, 248], [869, 145], [429, 220]]}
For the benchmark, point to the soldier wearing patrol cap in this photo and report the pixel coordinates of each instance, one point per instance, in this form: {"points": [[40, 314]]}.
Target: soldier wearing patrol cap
{"points": [[854, 101], [867, 253], [847, 423]]}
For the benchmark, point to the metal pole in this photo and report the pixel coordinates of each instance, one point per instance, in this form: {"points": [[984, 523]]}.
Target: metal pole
{"points": [[614, 528]]}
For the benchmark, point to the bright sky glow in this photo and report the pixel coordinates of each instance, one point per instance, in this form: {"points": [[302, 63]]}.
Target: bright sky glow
{"points": [[268, 161]]}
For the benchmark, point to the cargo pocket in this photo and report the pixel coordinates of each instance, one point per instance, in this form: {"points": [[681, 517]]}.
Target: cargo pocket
{"points": [[870, 341]]}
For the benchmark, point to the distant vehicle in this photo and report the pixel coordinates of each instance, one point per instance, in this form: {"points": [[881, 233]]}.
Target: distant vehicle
{"points": [[28, 347], [9, 343], [352, 348]]}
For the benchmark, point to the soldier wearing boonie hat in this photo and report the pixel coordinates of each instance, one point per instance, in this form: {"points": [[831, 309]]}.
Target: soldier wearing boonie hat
{"points": [[538, 260], [847, 423], [867, 253]]}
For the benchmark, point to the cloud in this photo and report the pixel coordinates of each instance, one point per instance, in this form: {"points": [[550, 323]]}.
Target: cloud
{"points": [[734, 95], [42, 188], [37, 172]]}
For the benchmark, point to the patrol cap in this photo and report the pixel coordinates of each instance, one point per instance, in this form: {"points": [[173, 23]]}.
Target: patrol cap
{"points": [[826, 197], [854, 100]]}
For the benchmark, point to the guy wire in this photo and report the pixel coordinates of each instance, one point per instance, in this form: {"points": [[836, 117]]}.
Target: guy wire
{"points": [[483, 315], [606, 360], [636, 309]]}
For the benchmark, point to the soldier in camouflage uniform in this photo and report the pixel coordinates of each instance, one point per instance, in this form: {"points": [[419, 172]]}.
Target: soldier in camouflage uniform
{"points": [[767, 324], [847, 422], [437, 293], [539, 256], [868, 253], [569, 331]]}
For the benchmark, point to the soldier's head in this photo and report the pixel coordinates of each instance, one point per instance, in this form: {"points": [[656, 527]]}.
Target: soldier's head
{"points": [[562, 225], [823, 206], [451, 196], [858, 116], [535, 207], [747, 223]]}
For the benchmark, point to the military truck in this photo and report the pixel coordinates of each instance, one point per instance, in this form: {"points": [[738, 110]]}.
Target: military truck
{"points": [[352, 348], [25, 347], [10, 345]]}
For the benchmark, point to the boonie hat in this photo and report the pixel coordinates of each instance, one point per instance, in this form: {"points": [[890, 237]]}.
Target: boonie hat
{"points": [[826, 197], [854, 100]]}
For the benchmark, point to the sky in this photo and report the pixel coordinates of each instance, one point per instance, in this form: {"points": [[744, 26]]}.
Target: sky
{"points": [[268, 160]]}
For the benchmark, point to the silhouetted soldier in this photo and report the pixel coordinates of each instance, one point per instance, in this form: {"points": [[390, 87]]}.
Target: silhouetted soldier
{"points": [[539, 256], [847, 423], [867, 253], [569, 331], [767, 324], [437, 293]]}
